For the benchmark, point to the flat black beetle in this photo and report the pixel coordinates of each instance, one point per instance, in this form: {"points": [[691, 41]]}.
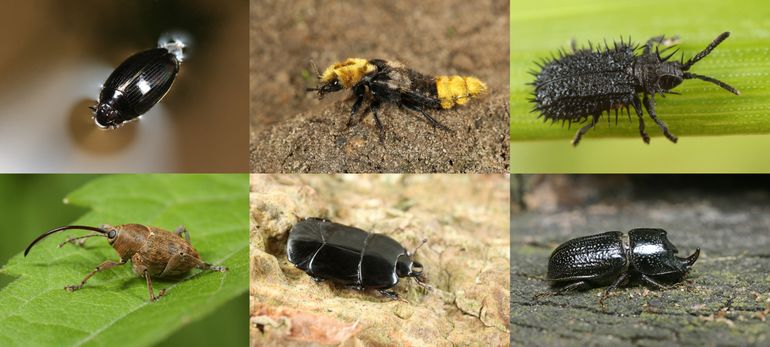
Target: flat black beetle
{"points": [[138, 84], [586, 83], [612, 259], [350, 256]]}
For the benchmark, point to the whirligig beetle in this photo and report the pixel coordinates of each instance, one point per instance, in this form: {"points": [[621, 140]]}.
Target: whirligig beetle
{"points": [[350, 256], [612, 259], [138, 83], [153, 252]]}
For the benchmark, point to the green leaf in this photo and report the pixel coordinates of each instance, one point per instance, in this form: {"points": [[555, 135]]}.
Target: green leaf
{"points": [[113, 308], [702, 111]]}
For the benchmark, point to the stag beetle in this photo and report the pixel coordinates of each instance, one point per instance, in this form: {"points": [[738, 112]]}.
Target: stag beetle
{"points": [[350, 256], [153, 252], [612, 258]]}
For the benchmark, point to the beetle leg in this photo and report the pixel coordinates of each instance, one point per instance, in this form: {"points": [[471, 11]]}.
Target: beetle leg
{"points": [[650, 106], [374, 106], [103, 266], [358, 91], [433, 121], [584, 130], [649, 280], [638, 108], [212, 267], [149, 287], [623, 279], [182, 230], [389, 293], [581, 285]]}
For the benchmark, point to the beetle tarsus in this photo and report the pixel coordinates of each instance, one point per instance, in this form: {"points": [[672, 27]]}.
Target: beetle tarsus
{"points": [[389, 293]]}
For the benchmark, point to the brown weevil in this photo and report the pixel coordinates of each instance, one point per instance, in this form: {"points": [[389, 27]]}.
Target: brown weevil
{"points": [[153, 252]]}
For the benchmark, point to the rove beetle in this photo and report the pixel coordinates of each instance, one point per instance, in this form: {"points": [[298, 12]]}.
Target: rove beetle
{"points": [[351, 256], [138, 84], [153, 252], [612, 258]]}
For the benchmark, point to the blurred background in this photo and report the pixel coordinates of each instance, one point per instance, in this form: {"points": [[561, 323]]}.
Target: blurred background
{"points": [[35, 202], [55, 57]]}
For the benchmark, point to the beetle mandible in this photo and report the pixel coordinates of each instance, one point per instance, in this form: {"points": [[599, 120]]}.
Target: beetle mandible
{"points": [[351, 256], [153, 252], [137, 84], [613, 258]]}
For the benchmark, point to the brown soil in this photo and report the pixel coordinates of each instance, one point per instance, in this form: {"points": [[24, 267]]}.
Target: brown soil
{"points": [[292, 131], [466, 259]]}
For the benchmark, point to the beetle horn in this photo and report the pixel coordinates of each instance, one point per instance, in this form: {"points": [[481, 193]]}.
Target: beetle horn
{"points": [[55, 230], [689, 261]]}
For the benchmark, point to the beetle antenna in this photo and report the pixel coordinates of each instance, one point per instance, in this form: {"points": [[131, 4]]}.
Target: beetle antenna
{"points": [[725, 86], [706, 51], [55, 230], [79, 240], [418, 247], [315, 69]]}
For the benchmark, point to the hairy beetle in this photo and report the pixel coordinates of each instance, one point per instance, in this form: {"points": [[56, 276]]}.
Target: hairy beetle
{"points": [[137, 84], [350, 256], [586, 83], [393, 82], [612, 258], [153, 252]]}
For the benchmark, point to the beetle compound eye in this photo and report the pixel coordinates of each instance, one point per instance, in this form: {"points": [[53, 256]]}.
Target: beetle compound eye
{"points": [[669, 82]]}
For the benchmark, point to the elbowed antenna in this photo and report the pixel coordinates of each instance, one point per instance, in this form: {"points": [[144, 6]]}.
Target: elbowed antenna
{"points": [[706, 51], [67, 227]]}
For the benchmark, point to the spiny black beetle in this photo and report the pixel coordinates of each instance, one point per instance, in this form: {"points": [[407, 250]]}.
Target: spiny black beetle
{"points": [[137, 84], [153, 252], [350, 256], [589, 82], [613, 258]]}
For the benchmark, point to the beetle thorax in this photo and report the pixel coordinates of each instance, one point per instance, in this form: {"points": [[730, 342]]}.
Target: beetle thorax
{"points": [[129, 241]]}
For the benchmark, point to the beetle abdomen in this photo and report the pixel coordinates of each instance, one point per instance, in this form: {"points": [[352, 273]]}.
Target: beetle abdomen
{"points": [[585, 83], [596, 257]]}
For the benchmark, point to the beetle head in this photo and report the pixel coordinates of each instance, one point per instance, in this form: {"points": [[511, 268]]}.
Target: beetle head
{"points": [[654, 255], [685, 66], [407, 267], [342, 75], [106, 117]]}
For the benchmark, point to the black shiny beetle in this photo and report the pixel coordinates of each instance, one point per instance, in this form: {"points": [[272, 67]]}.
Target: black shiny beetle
{"points": [[138, 84], [350, 256], [612, 258]]}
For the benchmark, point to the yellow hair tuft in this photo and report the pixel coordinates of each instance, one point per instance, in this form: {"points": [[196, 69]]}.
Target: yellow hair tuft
{"points": [[457, 90]]}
